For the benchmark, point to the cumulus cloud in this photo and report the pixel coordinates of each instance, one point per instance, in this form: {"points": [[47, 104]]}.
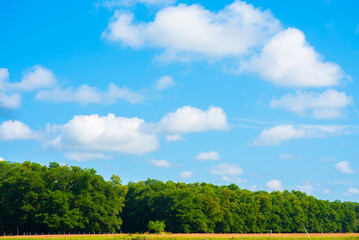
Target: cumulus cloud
{"points": [[228, 172], [162, 163], [306, 187], [35, 78], [188, 119], [186, 174], [174, 138], [86, 94], [10, 101], [164, 82], [343, 167], [351, 191], [104, 133], [187, 30], [203, 156], [284, 132], [85, 156], [288, 60], [16, 130], [274, 185], [326, 105]]}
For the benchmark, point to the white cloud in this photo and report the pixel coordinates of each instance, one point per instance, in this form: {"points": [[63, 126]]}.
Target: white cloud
{"points": [[185, 31], [105, 133], [343, 167], [174, 138], [326, 191], [284, 132], [164, 82], [351, 191], [186, 174], [86, 94], [2, 159], [328, 104], [161, 163], [307, 187], [85, 156], [16, 130], [189, 119], [129, 3], [274, 185], [289, 157], [288, 60], [10, 101], [227, 170], [4, 77], [35, 78], [203, 156]]}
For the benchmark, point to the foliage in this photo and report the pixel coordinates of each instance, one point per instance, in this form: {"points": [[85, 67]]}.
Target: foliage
{"points": [[156, 227]]}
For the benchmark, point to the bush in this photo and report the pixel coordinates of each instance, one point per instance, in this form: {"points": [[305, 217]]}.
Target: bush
{"points": [[156, 227]]}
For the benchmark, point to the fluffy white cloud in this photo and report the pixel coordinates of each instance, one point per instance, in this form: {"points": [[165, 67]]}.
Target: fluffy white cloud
{"points": [[274, 185], [189, 119], [307, 187], [105, 133], [284, 132], [164, 82], [35, 78], [226, 169], [162, 163], [203, 156], [288, 60], [343, 167], [2, 159], [16, 130], [184, 31], [128, 3], [85, 156], [4, 76], [10, 101], [86, 94], [351, 191], [186, 174], [328, 104], [174, 138]]}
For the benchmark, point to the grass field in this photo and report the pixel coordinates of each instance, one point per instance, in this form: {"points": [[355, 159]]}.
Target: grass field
{"points": [[201, 236]]}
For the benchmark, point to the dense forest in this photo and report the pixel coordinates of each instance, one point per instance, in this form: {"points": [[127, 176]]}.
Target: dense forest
{"points": [[63, 199]]}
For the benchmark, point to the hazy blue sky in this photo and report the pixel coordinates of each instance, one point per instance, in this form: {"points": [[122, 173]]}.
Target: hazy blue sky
{"points": [[259, 93]]}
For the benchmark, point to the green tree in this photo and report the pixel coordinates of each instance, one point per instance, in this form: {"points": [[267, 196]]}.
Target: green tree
{"points": [[156, 227]]}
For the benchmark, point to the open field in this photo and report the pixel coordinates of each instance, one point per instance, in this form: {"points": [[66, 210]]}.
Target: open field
{"points": [[274, 236]]}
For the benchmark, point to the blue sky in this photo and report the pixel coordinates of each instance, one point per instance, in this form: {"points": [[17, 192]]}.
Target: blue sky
{"points": [[259, 93]]}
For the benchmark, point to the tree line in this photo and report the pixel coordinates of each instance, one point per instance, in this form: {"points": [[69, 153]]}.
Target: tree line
{"points": [[63, 199]]}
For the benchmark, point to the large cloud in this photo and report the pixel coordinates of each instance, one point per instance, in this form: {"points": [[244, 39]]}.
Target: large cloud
{"points": [[188, 119], [105, 133], [288, 60], [16, 130], [328, 104], [182, 30], [284, 132]]}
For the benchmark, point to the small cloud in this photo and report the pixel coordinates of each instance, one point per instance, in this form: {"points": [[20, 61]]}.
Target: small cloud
{"points": [[2, 159], [307, 187], [351, 191], [226, 169], [85, 156], [161, 163], [203, 156], [186, 174], [16, 130], [253, 187], [326, 191], [274, 185], [164, 82], [289, 157], [343, 167], [174, 138]]}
